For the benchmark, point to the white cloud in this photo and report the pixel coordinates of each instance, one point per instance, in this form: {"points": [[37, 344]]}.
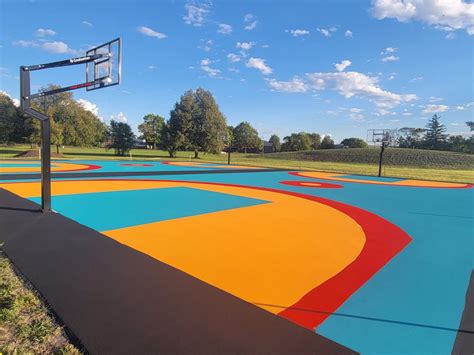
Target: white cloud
{"points": [[250, 22], [383, 112], [233, 57], [443, 14], [88, 24], [152, 67], [42, 32], [151, 33], [407, 114], [119, 117], [196, 14], [225, 29], [298, 32], [292, 86], [259, 63], [450, 35], [205, 66], [207, 45], [348, 33], [325, 32], [434, 99], [16, 102], [416, 78], [58, 47], [460, 108], [390, 58], [342, 65], [88, 106], [245, 45], [390, 50], [435, 108], [392, 76]]}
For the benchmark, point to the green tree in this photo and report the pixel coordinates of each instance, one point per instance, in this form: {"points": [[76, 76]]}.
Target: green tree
{"points": [[435, 136], [459, 144], [315, 140], [56, 134], [246, 137], [151, 129], [276, 144], [354, 143], [296, 142], [327, 143], [121, 137], [470, 124], [8, 117], [209, 127], [409, 137]]}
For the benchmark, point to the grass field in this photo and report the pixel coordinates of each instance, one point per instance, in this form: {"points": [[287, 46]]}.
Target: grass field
{"points": [[403, 163], [25, 324]]}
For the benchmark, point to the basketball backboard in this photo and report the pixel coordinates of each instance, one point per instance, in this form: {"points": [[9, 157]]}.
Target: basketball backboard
{"points": [[105, 71], [381, 136]]}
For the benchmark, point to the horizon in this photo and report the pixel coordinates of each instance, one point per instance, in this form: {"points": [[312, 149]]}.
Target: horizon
{"points": [[335, 68]]}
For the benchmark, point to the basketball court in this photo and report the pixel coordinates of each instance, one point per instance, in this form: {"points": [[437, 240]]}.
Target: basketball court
{"points": [[372, 264]]}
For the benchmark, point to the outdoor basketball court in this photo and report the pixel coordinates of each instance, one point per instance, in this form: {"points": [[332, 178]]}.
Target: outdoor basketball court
{"points": [[377, 265]]}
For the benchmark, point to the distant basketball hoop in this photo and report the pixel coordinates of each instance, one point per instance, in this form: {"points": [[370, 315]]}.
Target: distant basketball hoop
{"points": [[383, 138], [103, 69]]}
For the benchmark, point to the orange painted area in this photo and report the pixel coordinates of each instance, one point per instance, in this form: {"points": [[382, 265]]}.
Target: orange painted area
{"points": [[408, 182], [58, 167], [264, 254], [206, 165]]}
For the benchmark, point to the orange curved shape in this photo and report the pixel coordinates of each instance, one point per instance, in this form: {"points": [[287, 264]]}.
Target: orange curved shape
{"points": [[407, 182], [57, 167], [206, 165]]}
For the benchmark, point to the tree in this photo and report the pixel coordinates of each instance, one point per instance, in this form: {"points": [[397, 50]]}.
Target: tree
{"points": [[276, 144], [151, 129], [121, 137], [56, 134], [435, 137], [409, 137], [209, 127], [459, 144], [246, 137], [296, 142], [327, 143], [470, 124], [315, 140], [8, 116], [354, 143]]}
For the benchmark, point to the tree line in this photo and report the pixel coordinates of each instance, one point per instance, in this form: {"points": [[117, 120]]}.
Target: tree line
{"points": [[195, 124]]}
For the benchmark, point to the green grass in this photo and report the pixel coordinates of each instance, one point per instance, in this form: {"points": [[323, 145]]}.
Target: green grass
{"points": [[26, 326], [402, 163]]}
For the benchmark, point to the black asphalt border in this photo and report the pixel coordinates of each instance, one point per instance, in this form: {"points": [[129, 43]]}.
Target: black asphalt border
{"points": [[76, 175], [116, 300], [464, 343]]}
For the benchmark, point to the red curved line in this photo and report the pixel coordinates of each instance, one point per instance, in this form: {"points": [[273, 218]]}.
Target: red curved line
{"points": [[299, 174], [321, 185], [88, 167]]}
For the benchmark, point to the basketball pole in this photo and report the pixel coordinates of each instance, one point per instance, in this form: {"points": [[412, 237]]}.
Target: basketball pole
{"points": [[46, 165], [382, 149]]}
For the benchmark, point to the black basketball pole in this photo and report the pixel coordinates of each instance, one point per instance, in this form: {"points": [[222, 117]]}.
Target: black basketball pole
{"points": [[382, 149], [46, 165]]}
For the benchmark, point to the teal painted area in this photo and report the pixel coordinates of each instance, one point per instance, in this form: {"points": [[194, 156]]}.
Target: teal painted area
{"points": [[22, 165], [371, 178], [119, 209]]}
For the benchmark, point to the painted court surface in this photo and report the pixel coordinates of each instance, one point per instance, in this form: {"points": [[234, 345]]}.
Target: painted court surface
{"points": [[377, 265]]}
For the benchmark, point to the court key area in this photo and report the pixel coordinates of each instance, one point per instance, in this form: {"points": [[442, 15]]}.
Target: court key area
{"points": [[179, 256]]}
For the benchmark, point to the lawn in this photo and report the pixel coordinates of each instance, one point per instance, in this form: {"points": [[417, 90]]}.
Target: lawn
{"points": [[402, 163], [26, 326]]}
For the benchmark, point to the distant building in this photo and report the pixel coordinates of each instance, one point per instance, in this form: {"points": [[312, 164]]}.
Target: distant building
{"points": [[267, 147]]}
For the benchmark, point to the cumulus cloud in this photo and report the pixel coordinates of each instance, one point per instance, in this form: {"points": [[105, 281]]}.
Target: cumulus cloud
{"points": [[233, 57], [196, 14], [16, 102], [326, 32], [88, 106], [43, 32], [225, 29], [259, 64], [348, 84], [250, 22], [348, 33], [435, 108], [342, 65], [293, 86], [390, 58], [244, 47], [25, 43], [443, 14], [207, 46], [298, 32], [205, 66], [119, 117], [87, 23], [147, 31], [58, 47]]}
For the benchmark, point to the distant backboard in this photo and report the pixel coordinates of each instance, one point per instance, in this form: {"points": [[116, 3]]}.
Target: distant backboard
{"points": [[381, 136], [107, 70]]}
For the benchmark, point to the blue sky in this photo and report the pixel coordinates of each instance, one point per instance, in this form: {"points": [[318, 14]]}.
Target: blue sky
{"points": [[332, 67]]}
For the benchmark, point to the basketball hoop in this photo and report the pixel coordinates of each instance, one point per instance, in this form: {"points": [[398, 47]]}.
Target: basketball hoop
{"points": [[383, 138], [103, 69]]}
